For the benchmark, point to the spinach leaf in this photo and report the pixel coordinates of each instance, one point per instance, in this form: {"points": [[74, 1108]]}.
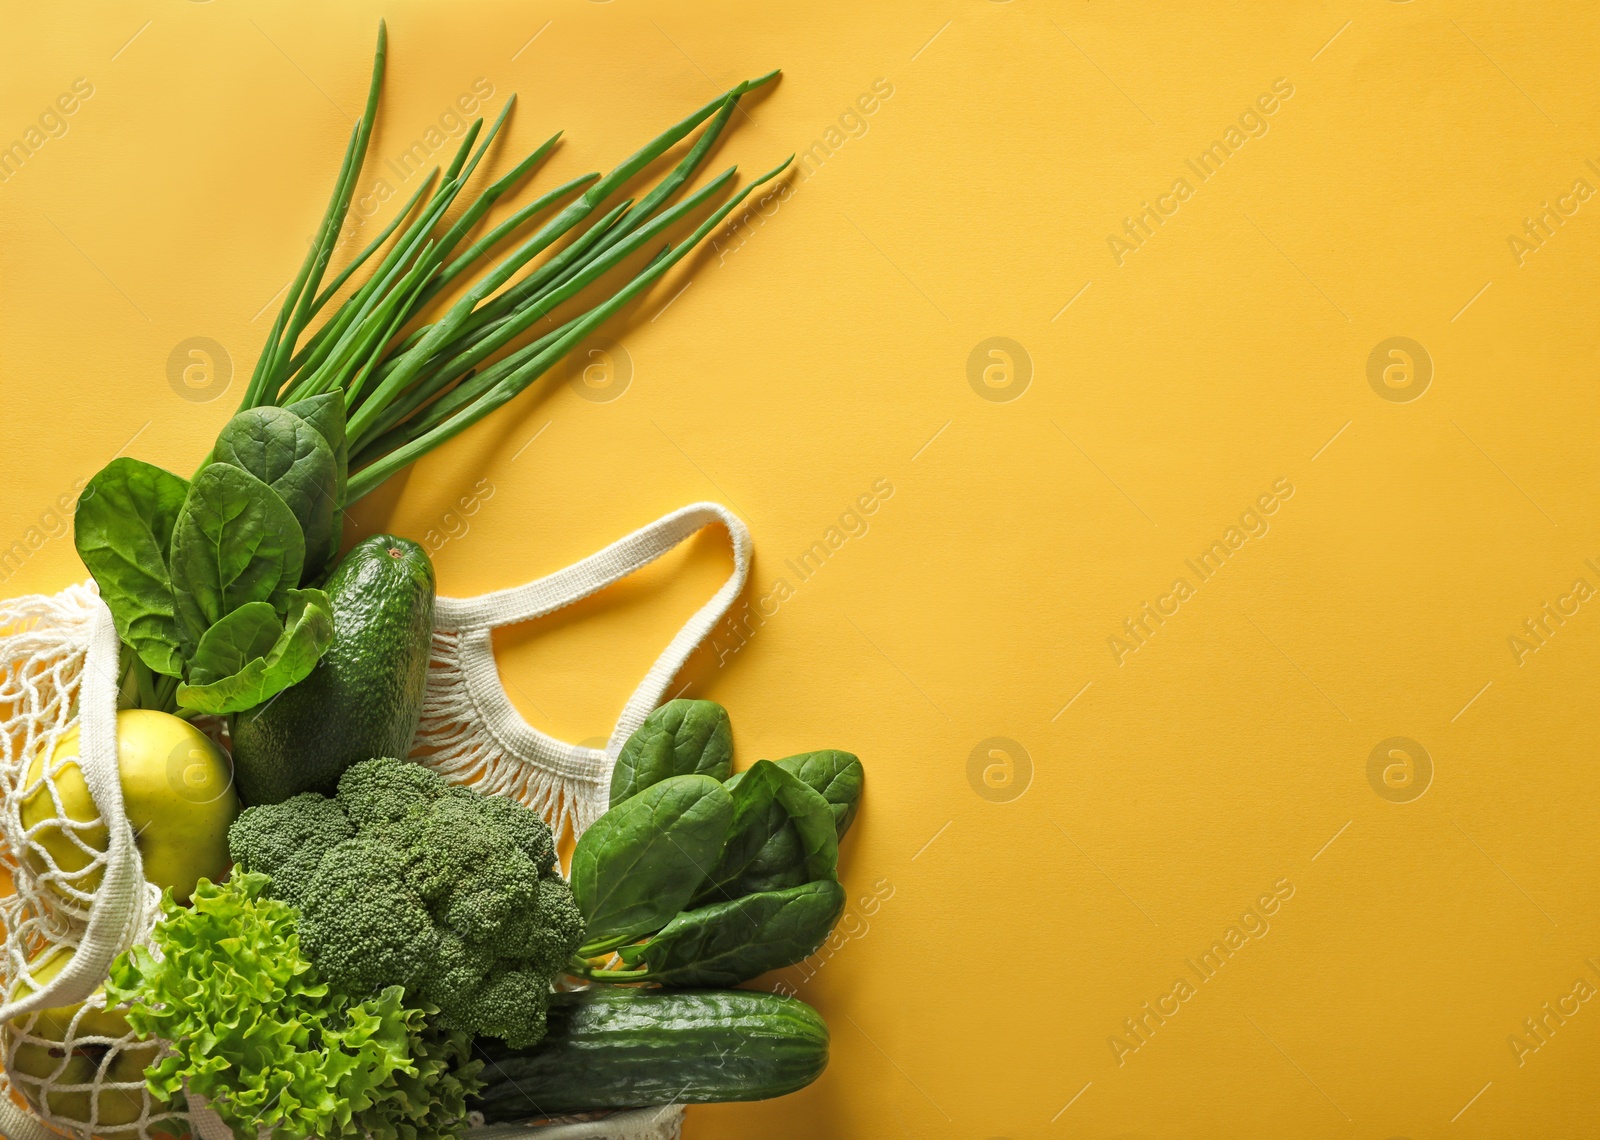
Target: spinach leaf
{"points": [[235, 542], [766, 799], [779, 864], [640, 863], [754, 793], [228, 694], [123, 529], [308, 631], [678, 739], [731, 942], [326, 413], [290, 455], [836, 776], [265, 656], [245, 635]]}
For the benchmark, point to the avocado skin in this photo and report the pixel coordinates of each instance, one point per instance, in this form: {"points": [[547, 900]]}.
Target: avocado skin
{"points": [[364, 698]]}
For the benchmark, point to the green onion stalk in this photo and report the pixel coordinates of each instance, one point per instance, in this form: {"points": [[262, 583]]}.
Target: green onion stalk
{"points": [[406, 395], [214, 583]]}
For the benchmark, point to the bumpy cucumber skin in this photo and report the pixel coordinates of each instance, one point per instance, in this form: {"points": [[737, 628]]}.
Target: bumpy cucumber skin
{"points": [[630, 1048], [364, 698]]}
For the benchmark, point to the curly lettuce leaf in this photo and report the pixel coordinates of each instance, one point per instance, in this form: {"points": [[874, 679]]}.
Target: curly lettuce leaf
{"points": [[268, 1043]]}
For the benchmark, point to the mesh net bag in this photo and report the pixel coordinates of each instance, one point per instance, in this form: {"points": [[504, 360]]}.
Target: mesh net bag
{"points": [[79, 895], [665, 1123], [79, 899]]}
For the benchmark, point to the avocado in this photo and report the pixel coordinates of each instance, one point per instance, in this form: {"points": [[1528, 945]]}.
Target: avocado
{"points": [[364, 698]]}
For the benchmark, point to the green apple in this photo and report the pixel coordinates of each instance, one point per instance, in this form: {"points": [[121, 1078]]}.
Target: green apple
{"points": [[177, 790], [47, 1073]]}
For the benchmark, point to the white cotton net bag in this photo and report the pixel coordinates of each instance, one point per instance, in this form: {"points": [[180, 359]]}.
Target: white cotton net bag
{"points": [[80, 898], [472, 734], [664, 1123], [470, 731]]}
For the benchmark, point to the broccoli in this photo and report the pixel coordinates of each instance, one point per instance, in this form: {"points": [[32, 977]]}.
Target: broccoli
{"points": [[292, 840], [404, 879]]}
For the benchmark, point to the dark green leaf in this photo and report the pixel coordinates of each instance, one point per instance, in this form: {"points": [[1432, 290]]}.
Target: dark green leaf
{"points": [[763, 850], [779, 864], [235, 542], [680, 738], [286, 659], [731, 942], [123, 530], [243, 636], [836, 776], [641, 862], [326, 413], [755, 796], [290, 455]]}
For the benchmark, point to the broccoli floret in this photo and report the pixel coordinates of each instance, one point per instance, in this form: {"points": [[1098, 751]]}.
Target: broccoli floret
{"points": [[384, 791], [522, 827], [360, 923], [511, 1004], [560, 926], [288, 840], [466, 866], [404, 879]]}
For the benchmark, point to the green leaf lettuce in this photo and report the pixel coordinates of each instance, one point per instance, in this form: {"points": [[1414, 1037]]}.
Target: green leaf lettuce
{"points": [[268, 1043]]}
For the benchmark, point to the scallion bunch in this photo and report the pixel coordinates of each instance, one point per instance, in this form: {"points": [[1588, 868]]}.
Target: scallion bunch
{"points": [[405, 396], [212, 582]]}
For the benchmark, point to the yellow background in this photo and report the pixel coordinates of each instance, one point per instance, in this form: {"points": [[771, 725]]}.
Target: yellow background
{"points": [[822, 348]]}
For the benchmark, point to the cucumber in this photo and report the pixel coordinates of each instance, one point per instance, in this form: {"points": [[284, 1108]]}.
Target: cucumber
{"points": [[629, 1048]]}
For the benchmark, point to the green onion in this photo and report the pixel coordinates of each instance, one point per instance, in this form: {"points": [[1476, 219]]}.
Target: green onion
{"points": [[407, 394]]}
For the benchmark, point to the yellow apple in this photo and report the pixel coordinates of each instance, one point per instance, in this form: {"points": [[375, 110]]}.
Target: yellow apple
{"points": [[177, 790], [77, 1057]]}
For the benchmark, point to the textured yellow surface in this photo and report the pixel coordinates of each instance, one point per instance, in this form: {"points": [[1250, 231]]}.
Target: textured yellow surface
{"points": [[1353, 766]]}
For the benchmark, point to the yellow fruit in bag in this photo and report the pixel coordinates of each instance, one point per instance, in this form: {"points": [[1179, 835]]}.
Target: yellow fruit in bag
{"points": [[87, 1054], [177, 790]]}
